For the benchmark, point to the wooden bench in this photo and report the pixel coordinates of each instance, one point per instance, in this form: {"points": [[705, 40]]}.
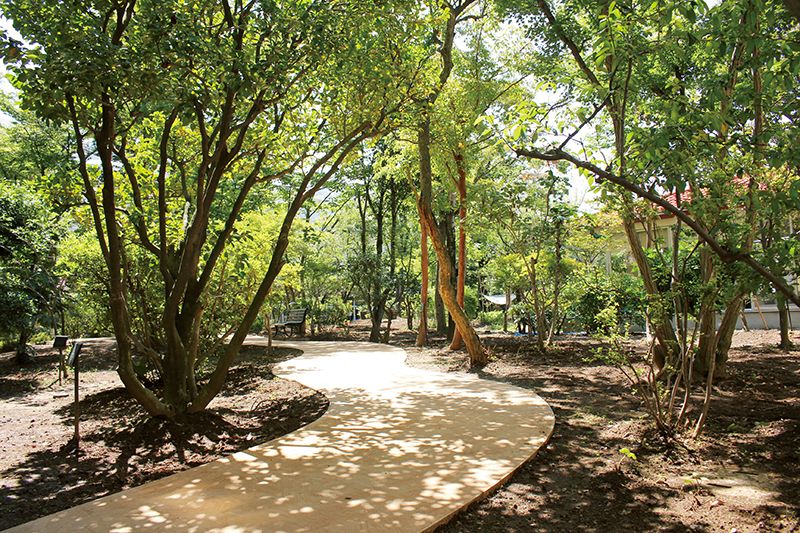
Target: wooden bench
{"points": [[294, 322]]}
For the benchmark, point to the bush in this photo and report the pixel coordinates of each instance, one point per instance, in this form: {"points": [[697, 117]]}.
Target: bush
{"points": [[470, 302], [622, 293], [334, 312], [491, 318]]}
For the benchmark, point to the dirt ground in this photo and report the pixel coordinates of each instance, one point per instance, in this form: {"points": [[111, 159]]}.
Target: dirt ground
{"points": [[741, 476]]}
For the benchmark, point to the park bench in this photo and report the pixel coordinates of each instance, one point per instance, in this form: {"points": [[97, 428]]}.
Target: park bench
{"points": [[294, 322]]}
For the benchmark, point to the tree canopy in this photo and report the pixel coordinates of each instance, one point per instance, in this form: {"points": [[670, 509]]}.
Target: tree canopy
{"points": [[180, 113], [186, 139]]}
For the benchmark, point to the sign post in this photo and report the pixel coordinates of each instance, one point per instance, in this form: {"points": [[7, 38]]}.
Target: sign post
{"points": [[73, 362], [60, 342]]}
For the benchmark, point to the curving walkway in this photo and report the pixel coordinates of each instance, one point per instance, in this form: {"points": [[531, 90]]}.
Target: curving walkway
{"points": [[399, 449]]}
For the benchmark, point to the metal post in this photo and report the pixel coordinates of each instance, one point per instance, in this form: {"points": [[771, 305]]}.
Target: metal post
{"points": [[77, 409], [73, 362]]}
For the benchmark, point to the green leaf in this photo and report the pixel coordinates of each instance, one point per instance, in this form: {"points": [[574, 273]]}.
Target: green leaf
{"points": [[627, 453]]}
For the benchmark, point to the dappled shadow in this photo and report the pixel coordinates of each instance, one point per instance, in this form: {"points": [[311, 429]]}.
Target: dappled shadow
{"points": [[22, 383], [17, 386], [573, 486], [600, 497], [18, 381], [140, 451], [405, 454], [398, 449], [56, 471], [110, 403], [552, 493], [121, 446]]}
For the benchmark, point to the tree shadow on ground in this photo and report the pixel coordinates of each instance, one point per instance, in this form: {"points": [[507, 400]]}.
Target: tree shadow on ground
{"points": [[582, 483], [121, 446]]}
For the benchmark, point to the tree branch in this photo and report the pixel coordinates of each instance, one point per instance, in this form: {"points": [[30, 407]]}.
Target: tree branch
{"points": [[569, 43], [726, 256]]}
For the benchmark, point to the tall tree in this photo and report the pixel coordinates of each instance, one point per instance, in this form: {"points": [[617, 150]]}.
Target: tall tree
{"points": [[528, 213], [480, 80], [604, 53], [455, 13], [609, 44], [191, 108], [681, 93]]}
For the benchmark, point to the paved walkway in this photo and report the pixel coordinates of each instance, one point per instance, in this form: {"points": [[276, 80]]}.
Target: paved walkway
{"points": [[399, 449]]}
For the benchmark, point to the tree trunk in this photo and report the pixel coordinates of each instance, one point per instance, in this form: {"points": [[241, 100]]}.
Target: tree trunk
{"points": [[376, 317], [268, 322], [394, 207], [22, 357], [725, 334], [505, 309], [388, 332], [477, 355], [362, 214], [708, 317], [556, 286], [783, 313], [424, 143], [538, 309], [462, 242], [117, 299], [438, 303], [422, 334], [449, 232], [665, 351]]}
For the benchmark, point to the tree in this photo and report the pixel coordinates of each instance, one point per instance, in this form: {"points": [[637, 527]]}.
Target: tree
{"points": [[81, 264], [598, 273], [478, 82], [455, 13], [673, 38], [34, 191], [508, 273], [31, 293], [778, 253], [190, 109], [38, 154], [683, 93], [529, 213], [381, 195]]}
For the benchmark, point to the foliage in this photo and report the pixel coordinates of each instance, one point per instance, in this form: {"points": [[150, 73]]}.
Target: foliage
{"points": [[683, 99], [470, 302], [37, 154], [80, 262], [491, 318], [31, 293], [591, 296], [191, 108], [532, 218]]}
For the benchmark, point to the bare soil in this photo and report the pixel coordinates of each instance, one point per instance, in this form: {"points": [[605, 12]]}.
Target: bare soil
{"points": [[41, 469], [741, 476]]}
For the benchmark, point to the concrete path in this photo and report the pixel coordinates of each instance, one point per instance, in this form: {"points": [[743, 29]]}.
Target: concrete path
{"points": [[399, 449]]}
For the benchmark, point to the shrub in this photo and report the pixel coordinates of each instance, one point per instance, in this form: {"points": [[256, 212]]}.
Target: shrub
{"points": [[491, 318], [470, 302]]}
